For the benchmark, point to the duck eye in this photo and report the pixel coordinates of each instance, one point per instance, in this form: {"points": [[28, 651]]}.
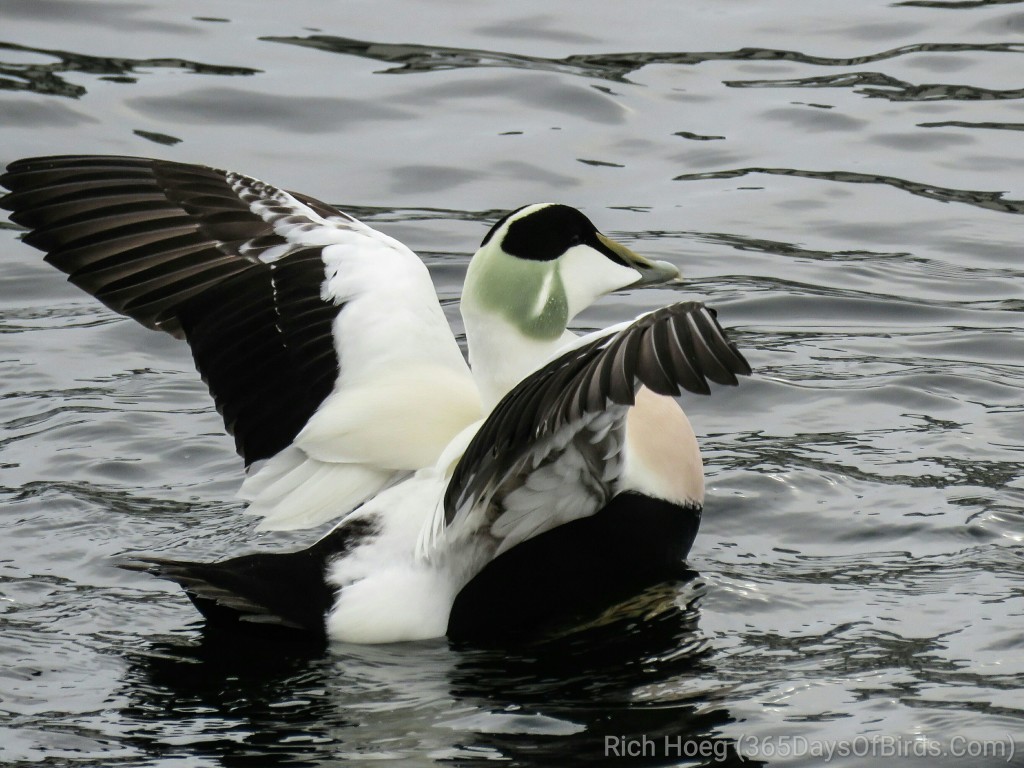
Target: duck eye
{"points": [[575, 239]]}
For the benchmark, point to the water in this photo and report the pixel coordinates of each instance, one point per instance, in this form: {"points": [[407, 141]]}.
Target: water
{"points": [[843, 181]]}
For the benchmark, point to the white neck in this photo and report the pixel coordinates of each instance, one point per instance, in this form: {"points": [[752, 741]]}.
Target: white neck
{"points": [[501, 356]]}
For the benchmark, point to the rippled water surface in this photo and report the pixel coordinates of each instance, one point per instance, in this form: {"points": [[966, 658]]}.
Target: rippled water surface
{"points": [[843, 181]]}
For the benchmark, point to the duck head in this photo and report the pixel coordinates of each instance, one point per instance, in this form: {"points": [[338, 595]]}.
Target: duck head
{"points": [[535, 270]]}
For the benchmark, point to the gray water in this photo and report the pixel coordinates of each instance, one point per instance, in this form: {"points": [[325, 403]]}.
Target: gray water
{"points": [[843, 181]]}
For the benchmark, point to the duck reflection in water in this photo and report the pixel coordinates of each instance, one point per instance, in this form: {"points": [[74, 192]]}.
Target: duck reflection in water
{"points": [[617, 685]]}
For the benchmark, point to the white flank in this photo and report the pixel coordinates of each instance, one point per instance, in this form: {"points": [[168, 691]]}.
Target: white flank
{"points": [[388, 592]]}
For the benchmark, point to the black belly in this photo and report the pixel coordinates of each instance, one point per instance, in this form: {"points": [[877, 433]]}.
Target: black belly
{"points": [[567, 575]]}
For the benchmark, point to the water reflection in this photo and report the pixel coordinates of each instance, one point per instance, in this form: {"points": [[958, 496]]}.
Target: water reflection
{"points": [[955, 4], [565, 698], [412, 59], [993, 201], [968, 124], [883, 86], [255, 701], [158, 138], [47, 78], [589, 680]]}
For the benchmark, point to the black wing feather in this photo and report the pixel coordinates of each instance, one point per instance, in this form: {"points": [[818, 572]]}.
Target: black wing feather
{"points": [[176, 247]]}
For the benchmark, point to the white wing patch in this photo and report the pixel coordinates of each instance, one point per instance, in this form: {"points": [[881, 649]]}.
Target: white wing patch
{"points": [[404, 389], [294, 491]]}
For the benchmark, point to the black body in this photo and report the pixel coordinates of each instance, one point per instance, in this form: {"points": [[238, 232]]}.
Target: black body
{"points": [[571, 573]]}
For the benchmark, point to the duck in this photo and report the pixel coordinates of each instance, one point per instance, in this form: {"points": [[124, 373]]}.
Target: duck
{"points": [[477, 498]]}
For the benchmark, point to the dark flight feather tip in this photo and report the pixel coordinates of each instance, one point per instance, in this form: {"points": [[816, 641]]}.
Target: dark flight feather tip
{"points": [[177, 248]]}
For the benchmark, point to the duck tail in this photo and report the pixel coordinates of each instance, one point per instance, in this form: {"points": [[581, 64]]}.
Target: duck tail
{"points": [[279, 592]]}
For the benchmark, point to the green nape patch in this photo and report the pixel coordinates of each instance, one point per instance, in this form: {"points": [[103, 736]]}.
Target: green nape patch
{"points": [[528, 294]]}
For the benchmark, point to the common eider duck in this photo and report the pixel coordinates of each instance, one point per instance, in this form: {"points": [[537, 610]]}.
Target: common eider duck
{"points": [[478, 500]]}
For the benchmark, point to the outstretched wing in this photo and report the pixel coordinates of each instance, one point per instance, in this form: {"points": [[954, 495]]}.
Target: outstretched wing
{"points": [[321, 339], [559, 435]]}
